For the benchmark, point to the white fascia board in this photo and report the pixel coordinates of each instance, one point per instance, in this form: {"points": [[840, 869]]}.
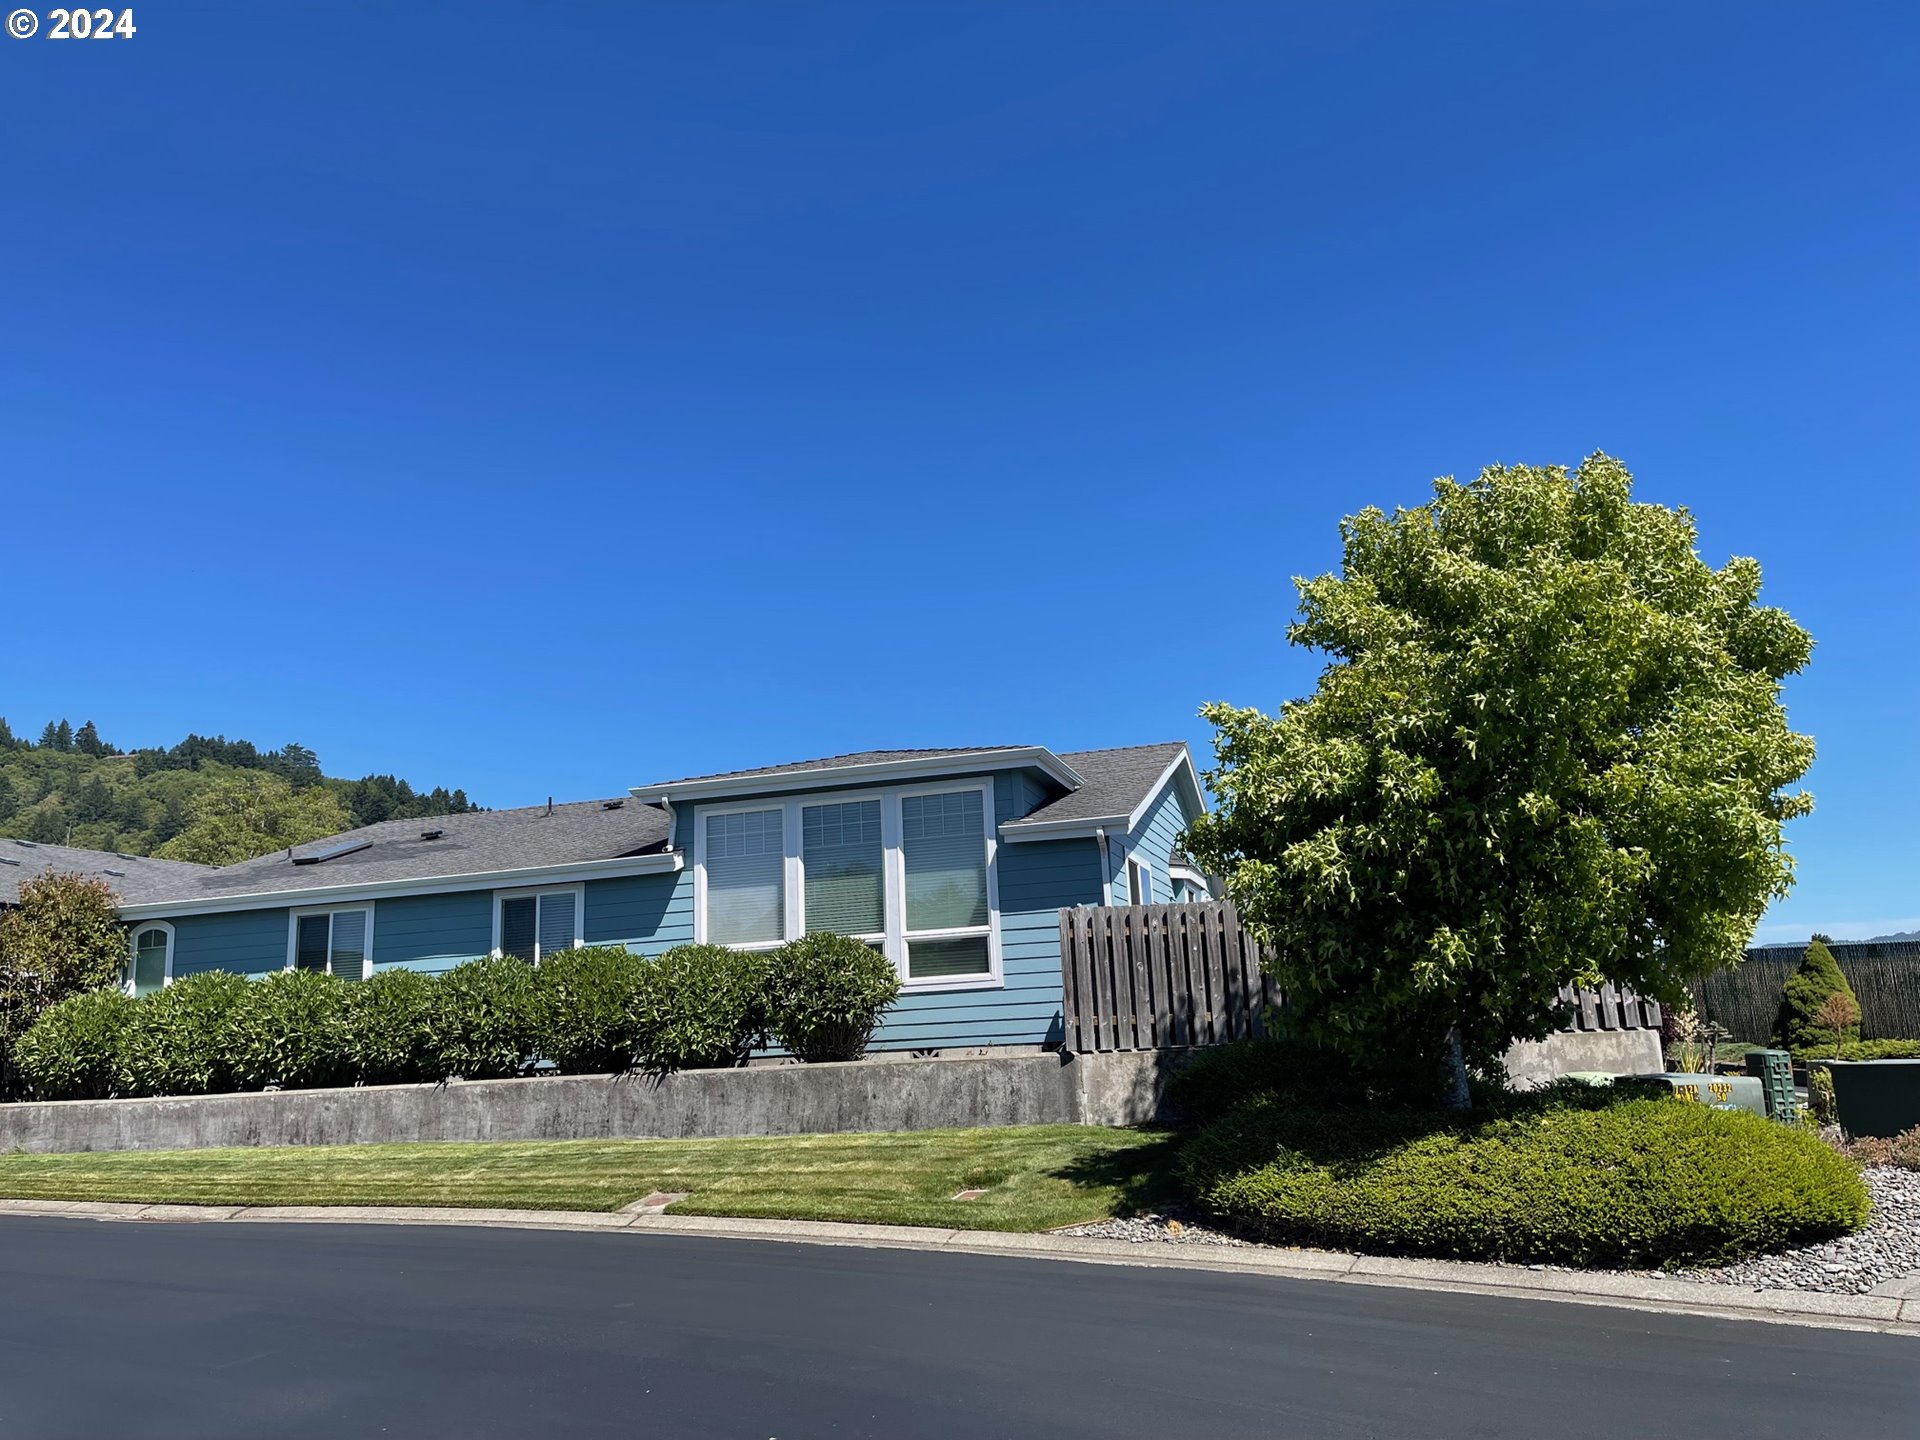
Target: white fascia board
{"points": [[578, 871], [842, 777], [1016, 831]]}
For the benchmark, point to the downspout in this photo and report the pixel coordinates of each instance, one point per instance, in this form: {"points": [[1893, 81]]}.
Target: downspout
{"points": [[673, 824], [1106, 865]]}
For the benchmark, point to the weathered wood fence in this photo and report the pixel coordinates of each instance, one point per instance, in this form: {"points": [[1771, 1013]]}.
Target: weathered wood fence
{"points": [[1149, 977]]}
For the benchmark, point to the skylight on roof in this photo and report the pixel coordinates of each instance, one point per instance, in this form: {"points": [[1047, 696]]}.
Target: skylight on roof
{"points": [[333, 852]]}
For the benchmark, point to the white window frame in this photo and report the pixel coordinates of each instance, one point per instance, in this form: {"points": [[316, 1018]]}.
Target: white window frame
{"points": [[894, 940], [1139, 881], [133, 951], [294, 917], [500, 898]]}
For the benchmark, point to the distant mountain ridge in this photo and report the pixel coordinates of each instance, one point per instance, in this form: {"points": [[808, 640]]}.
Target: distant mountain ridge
{"points": [[71, 787]]}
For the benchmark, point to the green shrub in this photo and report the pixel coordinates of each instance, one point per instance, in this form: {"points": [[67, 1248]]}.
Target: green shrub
{"points": [[389, 1029], [586, 1009], [1598, 1179], [288, 1031], [482, 1022], [1800, 1026], [826, 994], [72, 1051], [174, 1042], [1864, 1050], [700, 1007]]}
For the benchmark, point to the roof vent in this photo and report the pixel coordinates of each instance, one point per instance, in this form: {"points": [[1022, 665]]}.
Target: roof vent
{"points": [[30, 844], [431, 834], [333, 852], [8, 860], [611, 804], [117, 874]]}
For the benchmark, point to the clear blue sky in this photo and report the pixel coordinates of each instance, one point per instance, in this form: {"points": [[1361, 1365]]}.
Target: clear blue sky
{"points": [[546, 399]]}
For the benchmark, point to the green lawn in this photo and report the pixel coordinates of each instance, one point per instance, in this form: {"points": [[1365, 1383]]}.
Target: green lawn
{"points": [[1035, 1177]]}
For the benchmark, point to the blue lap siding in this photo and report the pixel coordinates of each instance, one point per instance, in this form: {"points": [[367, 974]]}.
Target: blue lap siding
{"points": [[432, 932], [249, 942], [649, 914]]}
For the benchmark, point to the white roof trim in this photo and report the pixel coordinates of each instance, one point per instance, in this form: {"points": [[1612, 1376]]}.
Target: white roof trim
{"points": [[579, 870], [1016, 831], [839, 777]]}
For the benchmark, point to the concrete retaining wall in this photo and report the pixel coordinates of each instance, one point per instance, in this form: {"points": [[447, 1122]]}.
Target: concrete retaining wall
{"points": [[771, 1100]]}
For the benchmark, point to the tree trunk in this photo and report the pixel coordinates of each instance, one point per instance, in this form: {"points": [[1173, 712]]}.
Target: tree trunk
{"points": [[1459, 1097]]}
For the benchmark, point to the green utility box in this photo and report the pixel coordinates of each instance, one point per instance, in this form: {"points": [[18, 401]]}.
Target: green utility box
{"points": [[1722, 1092], [1774, 1070], [1876, 1097]]}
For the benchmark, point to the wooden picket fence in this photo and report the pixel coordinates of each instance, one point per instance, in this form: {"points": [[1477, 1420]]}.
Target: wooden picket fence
{"points": [[1152, 977]]}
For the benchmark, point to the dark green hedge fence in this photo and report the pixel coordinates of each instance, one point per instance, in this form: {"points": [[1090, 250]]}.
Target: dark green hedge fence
{"points": [[1885, 978]]}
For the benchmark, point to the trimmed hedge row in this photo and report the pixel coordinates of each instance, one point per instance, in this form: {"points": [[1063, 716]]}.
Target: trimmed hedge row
{"points": [[585, 1011], [1594, 1179]]}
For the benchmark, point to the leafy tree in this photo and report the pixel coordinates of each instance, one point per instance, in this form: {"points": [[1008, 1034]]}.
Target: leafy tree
{"points": [[1548, 750], [1804, 1023], [63, 938], [252, 813]]}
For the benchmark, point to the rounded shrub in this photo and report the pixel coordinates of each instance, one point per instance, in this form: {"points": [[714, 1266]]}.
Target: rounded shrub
{"points": [[72, 1052], [825, 995], [288, 1031], [174, 1042], [389, 1029], [700, 1007], [1607, 1181], [482, 1024], [586, 1009]]}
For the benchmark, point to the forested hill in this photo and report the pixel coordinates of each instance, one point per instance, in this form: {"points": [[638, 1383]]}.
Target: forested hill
{"points": [[209, 799]]}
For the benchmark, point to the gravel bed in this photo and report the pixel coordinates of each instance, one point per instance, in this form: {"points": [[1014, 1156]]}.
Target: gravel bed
{"points": [[1154, 1228], [1888, 1249]]}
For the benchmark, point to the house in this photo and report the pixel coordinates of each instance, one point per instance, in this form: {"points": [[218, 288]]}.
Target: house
{"points": [[954, 863]]}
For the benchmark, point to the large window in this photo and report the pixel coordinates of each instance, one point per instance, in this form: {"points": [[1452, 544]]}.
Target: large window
{"points": [[908, 871], [331, 941], [150, 966], [533, 923]]}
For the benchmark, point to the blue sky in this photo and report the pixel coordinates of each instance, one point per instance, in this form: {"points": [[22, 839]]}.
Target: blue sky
{"points": [[546, 399]]}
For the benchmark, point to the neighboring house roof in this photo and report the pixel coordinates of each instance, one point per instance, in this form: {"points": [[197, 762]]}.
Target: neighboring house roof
{"points": [[133, 877], [485, 844], [1119, 784]]}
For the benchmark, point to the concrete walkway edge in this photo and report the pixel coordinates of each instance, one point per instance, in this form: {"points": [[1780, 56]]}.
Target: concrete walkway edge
{"points": [[1880, 1313]]}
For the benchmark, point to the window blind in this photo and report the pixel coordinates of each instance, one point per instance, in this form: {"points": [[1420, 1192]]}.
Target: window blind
{"points": [[517, 928], [556, 922], [845, 891], [746, 877], [349, 944], [944, 843]]}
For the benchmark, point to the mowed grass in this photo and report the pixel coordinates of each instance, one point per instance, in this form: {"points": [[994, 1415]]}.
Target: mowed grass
{"points": [[1035, 1177]]}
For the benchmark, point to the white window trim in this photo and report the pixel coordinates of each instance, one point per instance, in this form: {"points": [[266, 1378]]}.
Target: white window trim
{"points": [[294, 917], [133, 951], [579, 893], [895, 938], [1144, 886]]}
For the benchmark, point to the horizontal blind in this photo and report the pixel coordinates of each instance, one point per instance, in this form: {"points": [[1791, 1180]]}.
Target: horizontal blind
{"points": [[944, 842], [349, 944], [556, 922], [841, 845], [310, 944], [746, 877]]}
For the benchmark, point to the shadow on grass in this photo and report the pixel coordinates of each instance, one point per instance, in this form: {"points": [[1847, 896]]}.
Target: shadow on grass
{"points": [[1142, 1176]]}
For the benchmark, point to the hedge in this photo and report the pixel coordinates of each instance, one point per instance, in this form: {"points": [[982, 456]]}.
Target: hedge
{"points": [[587, 1011], [1601, 1180]]}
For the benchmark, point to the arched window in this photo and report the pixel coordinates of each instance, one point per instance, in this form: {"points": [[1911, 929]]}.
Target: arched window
{"points": [[151, 965]]}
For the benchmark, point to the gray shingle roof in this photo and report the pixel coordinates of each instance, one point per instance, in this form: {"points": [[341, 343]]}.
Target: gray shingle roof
{"points": [[837, 762], [133, 877], [1117, 781], [476, 844]]}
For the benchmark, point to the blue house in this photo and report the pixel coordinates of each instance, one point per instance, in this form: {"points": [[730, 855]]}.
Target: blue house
{"points": [[953, 863]]}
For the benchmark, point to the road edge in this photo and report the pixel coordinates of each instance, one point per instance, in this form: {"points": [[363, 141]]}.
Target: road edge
{"points": [[1882, 1314]]}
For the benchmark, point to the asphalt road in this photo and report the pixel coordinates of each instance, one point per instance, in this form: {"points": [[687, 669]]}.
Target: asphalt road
{"points": [[341, 1331]]}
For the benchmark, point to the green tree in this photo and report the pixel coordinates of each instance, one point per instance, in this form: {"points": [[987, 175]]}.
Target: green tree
{"points": [[63, 938], [8, 740], [253, 813], [50, 737], [1548, 750], [87, 741], [1804, 1024]]}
